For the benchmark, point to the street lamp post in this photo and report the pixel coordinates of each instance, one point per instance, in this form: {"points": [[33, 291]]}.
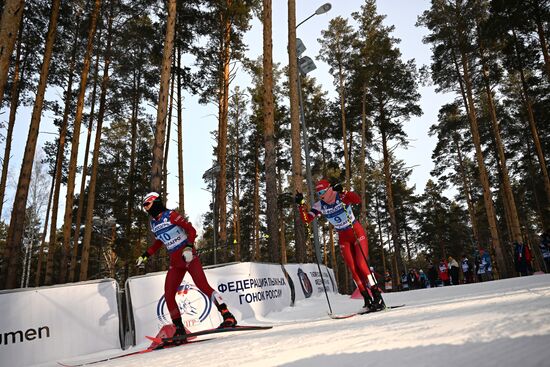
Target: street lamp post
{"points": [[305, 65], [211, 174]]}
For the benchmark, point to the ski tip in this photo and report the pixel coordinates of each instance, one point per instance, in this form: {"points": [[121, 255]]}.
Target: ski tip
{"points": [[154, 339]]}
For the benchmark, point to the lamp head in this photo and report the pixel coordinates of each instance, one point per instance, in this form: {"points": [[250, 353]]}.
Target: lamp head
{"points": [[323, 9]]}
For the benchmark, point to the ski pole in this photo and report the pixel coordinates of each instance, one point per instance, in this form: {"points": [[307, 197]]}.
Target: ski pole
{"points": [[317, 260]]}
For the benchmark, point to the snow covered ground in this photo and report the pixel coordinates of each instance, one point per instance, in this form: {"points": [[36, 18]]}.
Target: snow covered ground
{"points": [[500, 323]]}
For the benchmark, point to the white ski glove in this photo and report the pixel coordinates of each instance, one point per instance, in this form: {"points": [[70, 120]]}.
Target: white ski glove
{"points": [[187, 254]]}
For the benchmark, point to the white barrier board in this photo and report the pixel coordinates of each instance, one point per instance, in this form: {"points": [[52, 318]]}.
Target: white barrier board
{"points": [[248, 289], [52, 323], [307, 280]]}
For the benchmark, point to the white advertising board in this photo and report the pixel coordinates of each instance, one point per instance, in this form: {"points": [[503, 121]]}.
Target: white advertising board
{"points": [[248, 289], [307, 280], [48, 324]]}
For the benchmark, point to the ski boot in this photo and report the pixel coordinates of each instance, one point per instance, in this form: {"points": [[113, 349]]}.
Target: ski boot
{"points": [[178, 337], [369, 302], [229, 320], [378, 303]]}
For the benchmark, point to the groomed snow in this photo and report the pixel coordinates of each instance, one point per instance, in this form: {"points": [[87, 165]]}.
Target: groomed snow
{"points": [[499, 323]]}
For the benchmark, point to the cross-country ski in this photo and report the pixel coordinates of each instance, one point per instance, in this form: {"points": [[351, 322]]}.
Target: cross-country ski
{"points": [[363, 312]]}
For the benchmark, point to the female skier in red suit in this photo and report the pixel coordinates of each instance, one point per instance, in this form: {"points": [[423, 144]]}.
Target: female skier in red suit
{"points": [[335, 205], [172, 231]]}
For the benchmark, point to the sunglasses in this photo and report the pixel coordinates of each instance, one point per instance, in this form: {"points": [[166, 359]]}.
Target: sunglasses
{"points": [[147, 204], [322, 192]]}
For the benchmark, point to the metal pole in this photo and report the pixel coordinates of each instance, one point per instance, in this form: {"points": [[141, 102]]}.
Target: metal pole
{"points": [[308, 170], [215, 224]]}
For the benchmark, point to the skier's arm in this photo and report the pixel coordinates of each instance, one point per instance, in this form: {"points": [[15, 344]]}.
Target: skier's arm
{"points": [[308, 216], [177, 219], [149, 252], [153, 248], [305, 215], [350, 197]]}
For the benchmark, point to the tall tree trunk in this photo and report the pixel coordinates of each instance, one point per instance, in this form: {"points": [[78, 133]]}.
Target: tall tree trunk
{"points": [[181, 181], [256, 253], [14, 105], [483, 176], [222, 133], [341, 92], [507, 186], [74, 255], [9, 25], [533, 126], [97, 143], [39, 260], [68, 218], [296, 147], [269, 137], [363, 156], [389, 192], [281, 220], [379, 223], [168, 130], [542, 39], [160, 130], [136, 96], [236, 185], [17, 222], [467, 191]]}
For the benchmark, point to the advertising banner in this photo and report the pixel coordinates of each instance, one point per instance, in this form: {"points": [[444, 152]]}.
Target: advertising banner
{"points": [[248, 289], [46, 324], [308, 281]]}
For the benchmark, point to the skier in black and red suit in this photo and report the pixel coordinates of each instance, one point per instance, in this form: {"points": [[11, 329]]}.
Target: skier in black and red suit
{"points": [[175, 233], [335, 205]]}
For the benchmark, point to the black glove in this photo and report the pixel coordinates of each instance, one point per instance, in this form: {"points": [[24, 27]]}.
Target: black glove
{"points": [[338, 188], [299, 198]]}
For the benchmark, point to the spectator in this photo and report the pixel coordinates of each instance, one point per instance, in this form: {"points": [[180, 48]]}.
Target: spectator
{"points": [[413, 283], [466, 269], [432, 274], [423, 279], [484, 266], [444, 272], [388, 282], [453, 270], [522, 259], [404, 282], [545, 249]]}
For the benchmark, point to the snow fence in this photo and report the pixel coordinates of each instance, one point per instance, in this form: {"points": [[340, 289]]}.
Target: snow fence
{"points": [[48, 324], [45, 324], [249, 290]]}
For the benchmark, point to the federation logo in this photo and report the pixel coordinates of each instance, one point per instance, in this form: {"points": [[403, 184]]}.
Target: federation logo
{"points": [[193, 304], [305, 283]]}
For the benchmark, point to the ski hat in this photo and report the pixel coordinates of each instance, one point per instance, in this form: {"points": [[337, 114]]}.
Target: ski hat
{"points": [[322, 185], [152, 196], [156, 207]]}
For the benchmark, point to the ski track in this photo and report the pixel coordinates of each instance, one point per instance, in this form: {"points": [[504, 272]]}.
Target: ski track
{"points": [[500, 323]]}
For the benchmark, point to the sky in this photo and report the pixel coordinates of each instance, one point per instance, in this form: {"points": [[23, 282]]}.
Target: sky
{"points": [[201, 120], [501, 323], [403, 14]]}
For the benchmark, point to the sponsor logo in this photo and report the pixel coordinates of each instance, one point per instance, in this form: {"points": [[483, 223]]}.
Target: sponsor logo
{"points": [[193, 304], [20, 336], [307, 288]]}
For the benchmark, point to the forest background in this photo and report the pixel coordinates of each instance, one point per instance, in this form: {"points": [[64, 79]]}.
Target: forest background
{"points": [[152, 79]]}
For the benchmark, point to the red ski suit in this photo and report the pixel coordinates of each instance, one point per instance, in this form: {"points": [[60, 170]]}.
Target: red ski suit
{"points": [[171, 236], [348, 236]]}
